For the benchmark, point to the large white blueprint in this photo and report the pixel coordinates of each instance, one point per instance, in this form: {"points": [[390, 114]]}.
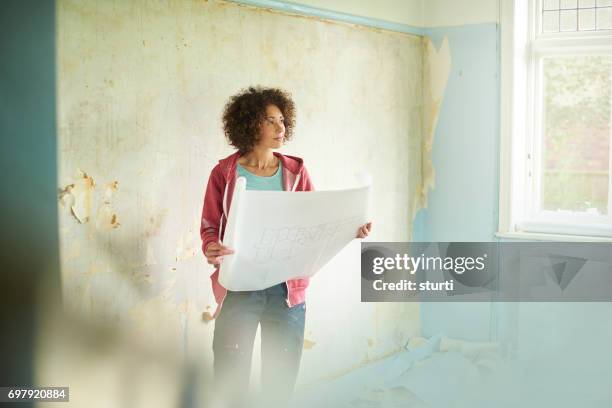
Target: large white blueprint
{"points": [[280, 235]]}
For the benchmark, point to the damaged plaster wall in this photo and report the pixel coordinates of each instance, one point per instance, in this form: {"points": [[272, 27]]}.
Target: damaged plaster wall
{"points": [[436, 70], [141, 89], [462, 202]]}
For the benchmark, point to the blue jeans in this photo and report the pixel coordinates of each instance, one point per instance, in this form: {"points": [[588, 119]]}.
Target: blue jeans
{"points": [[282, 339]]}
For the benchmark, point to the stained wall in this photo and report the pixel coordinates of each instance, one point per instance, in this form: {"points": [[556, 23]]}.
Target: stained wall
{"points": [[141, 88]]}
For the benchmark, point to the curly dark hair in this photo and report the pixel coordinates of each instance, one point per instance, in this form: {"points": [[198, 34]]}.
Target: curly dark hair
{"points": [[245, 112]]}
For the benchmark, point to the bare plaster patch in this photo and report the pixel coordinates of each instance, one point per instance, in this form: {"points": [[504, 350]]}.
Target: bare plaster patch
{"points": [[436, 71], [81, 198], [78, 196]]}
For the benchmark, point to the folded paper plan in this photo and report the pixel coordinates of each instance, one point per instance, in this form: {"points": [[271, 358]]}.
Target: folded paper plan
{"points": [[281, 235]]}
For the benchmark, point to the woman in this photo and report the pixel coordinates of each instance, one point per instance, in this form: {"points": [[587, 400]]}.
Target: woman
{"points": [[256, 122]]}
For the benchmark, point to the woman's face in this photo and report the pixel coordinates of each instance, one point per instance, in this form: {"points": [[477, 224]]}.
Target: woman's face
{"points": [[272, 130]]}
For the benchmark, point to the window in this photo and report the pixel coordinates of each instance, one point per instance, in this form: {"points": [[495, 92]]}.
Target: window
{"points": [[556, 117], [575, 15]]}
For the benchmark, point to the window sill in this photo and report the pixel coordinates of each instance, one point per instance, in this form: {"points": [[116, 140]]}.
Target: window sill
{"points": [[533, 236]]}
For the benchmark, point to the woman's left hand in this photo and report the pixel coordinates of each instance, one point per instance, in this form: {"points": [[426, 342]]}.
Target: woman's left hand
{"points": [[364, 230]]}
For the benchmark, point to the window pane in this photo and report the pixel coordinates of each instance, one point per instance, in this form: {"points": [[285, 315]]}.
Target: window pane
{"points": [[586, 19], [604, 3], [567, 4], [576, 145], [604, 18], [586, 3], [550, 21], [550, 5], [569, 20]]}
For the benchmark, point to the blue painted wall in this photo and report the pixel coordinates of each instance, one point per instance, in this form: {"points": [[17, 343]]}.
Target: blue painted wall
{"points": [[552, 341], [463, 206]]}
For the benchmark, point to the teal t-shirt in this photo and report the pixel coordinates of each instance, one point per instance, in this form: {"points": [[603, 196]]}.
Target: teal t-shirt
{"points": [[255, 182]]}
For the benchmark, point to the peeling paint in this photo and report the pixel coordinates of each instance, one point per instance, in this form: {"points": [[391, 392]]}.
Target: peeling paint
{"points": [[82, 193], [436, 71], [110, 190], [78, 196], [106, 218], [308, 344], [65, 195]]}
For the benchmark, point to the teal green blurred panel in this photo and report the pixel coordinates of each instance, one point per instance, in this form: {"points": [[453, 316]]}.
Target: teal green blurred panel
{"points": [[27, 75], [29, 238]]}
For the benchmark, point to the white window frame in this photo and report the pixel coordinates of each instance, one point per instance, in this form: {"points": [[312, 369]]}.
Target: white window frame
{"points": [[522, 50]]}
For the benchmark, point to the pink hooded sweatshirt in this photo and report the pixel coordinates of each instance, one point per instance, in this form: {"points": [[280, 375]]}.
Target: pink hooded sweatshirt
{"points": [[217, 201]]}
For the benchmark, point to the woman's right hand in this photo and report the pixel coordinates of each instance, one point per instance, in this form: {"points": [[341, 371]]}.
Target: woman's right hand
{"points": [[215, 251]]}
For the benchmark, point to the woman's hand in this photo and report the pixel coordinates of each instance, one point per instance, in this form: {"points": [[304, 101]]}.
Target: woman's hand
{"points": [[215, 251], [364, 230]]}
